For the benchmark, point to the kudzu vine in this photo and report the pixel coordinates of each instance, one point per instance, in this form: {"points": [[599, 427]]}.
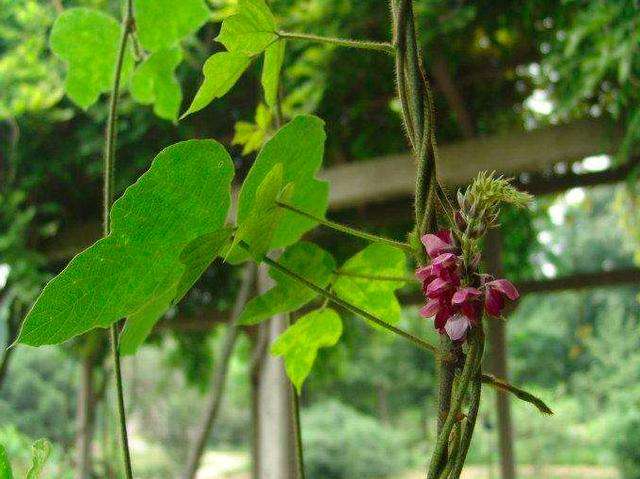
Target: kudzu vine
{"points": [[169, 226]]}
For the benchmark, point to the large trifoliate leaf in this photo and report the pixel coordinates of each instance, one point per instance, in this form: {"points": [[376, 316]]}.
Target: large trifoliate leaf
{"points": [[374, 296], [195, 258], [221, 72], [154, 82], [299, 146], [184, 195], [163, 23], [273, 58], [87, 40], [249, 31], [299, 344], [305, 259], [40, 452]]}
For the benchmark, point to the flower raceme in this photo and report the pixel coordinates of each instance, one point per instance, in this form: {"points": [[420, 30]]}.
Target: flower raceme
{"points": [[457, 307]]}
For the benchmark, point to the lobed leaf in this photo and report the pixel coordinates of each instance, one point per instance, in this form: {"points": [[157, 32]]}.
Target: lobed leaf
{"points": [[299, 147], [195, 258], [249, 31], [184, 195], [221, 72], [375, 297], [287, 295], [299, 344], [154, 82], [87, 40], [163, 23]]}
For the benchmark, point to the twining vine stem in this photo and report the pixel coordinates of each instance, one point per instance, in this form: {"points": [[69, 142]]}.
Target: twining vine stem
{"points": [[342, 42], [108, 194]]}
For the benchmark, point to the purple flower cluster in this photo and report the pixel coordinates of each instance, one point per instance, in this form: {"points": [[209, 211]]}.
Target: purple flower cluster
{"points": [[457, 307]]}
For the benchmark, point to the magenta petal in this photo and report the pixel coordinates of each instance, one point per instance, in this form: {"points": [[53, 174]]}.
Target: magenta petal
{"points": [[425, 272], [435, 245], [437, 287], [493, 302], [430, 309], [457, 327], [506, 287], [444, 259], [465, 294]]}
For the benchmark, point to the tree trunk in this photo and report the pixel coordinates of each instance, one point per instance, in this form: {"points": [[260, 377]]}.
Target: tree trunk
{"points": [[275, 445], [497, 361], [218, 381]]}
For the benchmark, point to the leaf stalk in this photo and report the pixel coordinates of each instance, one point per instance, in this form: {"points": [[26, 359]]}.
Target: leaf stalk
{"points": [[384, 47], [346, 229]]}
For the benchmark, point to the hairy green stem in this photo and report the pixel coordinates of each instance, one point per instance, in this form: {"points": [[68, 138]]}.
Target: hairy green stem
{"points": [[470, 367], [344, 304], [504, 386], [108, 195], [475, 391], [342, 42], [346, 229], [454, 447]]}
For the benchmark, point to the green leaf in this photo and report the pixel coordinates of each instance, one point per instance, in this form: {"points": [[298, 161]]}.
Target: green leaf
{"points": [[221, 72], [252, 135], [40, 450], [195, 258], [375, 297], [259, 226], [87, 40], [163, 23], [299, 344], [299, 146], [273, 58], [154, 82], [184, 195], [287, 295], [5, 465], [249, 31]]}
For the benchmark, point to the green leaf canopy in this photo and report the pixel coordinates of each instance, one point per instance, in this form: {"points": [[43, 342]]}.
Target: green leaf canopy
{"points": [[299, 344], [163, 23], [287, 295], [184, 195], [374, 296], [87, 40]]}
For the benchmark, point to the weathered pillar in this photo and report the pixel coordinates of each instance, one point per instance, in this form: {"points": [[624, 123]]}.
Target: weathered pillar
{"points": [[274, 433], [497, 362]]}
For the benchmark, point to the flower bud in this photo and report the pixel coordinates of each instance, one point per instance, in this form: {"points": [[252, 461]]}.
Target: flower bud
{"points": [[461, 223]]}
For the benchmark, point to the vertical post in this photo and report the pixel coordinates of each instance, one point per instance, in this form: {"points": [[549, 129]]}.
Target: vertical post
{"points": [[274, 429], [84, 418], [497, 360]]}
